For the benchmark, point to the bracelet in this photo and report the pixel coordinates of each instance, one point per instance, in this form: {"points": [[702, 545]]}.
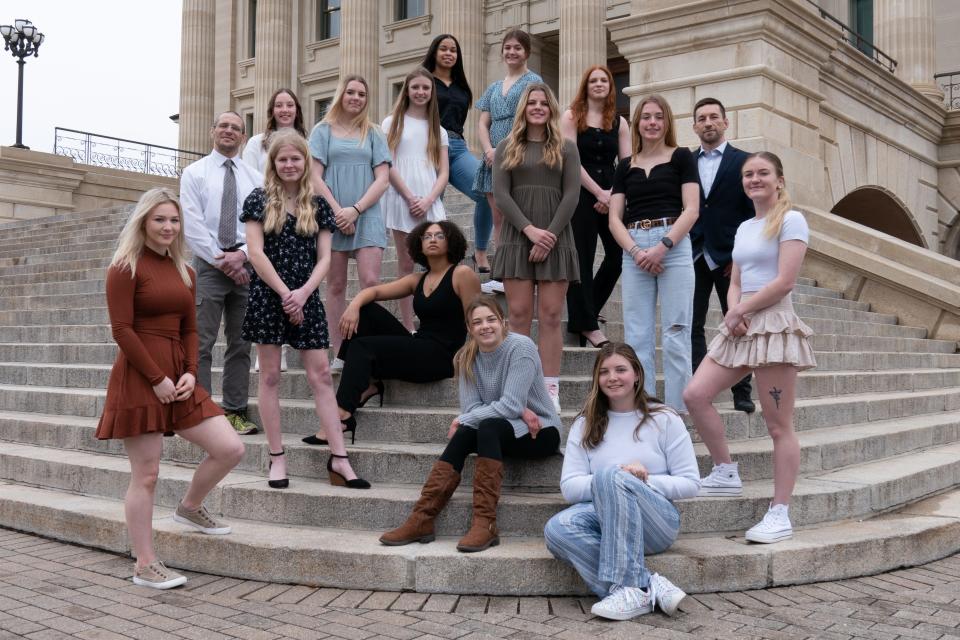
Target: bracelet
{"points": [[357, 209], [633, 250]]}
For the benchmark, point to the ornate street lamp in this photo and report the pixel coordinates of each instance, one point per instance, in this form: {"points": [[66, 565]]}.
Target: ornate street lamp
{"points": [[22, 39]]}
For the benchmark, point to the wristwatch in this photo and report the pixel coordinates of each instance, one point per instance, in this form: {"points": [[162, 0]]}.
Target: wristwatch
{"points": [[668, 243]]}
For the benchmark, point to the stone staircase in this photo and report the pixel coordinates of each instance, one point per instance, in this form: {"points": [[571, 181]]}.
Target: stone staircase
{"points": [[878, 421]]}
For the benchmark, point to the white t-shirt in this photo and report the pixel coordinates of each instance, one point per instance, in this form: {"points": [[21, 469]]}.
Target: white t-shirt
{"points": [[758, 257], [254, 154], [662, 445]]}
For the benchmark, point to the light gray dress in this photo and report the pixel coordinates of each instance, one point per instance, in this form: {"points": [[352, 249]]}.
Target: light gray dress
{"points": [[348, 171], [533, 193]]}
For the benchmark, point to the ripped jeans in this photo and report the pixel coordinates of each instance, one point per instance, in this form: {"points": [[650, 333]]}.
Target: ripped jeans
{"points": [[640, 290]]}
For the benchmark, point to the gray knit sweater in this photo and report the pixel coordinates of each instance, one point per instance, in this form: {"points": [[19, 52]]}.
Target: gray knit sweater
{"points": [[508, 379]]}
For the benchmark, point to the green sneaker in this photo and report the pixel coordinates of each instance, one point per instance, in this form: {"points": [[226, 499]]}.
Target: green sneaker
{"points": [[241, 423]]}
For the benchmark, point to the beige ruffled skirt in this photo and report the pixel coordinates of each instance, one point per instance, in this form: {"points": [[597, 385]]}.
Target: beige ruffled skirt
{"points": [[776, 335]]}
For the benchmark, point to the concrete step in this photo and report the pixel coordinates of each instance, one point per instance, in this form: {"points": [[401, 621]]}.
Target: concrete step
{"points": [[822, 450], [914, 535], [573, 388], [420, 424], [852, 492]]}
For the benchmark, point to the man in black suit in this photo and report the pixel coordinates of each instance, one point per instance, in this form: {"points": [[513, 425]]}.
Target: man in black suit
{"points": [[723, 206]]}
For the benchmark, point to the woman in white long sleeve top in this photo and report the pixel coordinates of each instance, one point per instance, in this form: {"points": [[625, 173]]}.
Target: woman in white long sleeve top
{"points": [[627, 457]]}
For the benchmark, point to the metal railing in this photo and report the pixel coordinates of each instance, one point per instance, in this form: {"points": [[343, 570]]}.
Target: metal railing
{"points": [[118, 153], [863, 45], [950, 83]]}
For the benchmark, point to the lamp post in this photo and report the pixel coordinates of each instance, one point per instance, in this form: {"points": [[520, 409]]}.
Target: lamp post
{"points": [[22, 39]]}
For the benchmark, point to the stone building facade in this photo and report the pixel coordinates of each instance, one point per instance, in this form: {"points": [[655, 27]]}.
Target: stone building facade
{"points": [[871, 144]]}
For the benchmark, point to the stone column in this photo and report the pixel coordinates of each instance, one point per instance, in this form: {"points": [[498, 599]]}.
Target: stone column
{"points": [[359, 47], [583, 42], [196, 74], [273, 56], [464, 19], [904, 30]]}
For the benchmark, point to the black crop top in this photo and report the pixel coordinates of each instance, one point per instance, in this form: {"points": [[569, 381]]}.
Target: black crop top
{"points": [[659, 194]]}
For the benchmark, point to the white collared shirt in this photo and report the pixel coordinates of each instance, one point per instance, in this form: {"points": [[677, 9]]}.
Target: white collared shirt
{"points": [[201, 190], [708, 163]]}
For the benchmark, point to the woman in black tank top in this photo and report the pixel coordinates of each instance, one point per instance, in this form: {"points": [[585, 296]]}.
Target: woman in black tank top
{"points": [[377, 346], [602, 138]]}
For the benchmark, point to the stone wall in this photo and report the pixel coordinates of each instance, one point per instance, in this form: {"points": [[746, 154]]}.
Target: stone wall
{"points": [[35, 184]]}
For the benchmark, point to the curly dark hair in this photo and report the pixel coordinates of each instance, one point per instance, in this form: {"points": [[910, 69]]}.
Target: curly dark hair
{"points": [[456, 242]]}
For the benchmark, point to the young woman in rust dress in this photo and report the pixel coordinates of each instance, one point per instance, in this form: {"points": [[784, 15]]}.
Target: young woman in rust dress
{"points": [[152, 388]]}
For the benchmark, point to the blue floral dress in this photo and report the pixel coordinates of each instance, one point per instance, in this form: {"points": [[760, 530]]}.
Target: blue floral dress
{"points": [[348, 171], [502, 110], [294, 257]]}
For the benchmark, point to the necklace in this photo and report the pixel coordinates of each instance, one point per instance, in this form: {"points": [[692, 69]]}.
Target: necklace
{"points": [[430, 288]]}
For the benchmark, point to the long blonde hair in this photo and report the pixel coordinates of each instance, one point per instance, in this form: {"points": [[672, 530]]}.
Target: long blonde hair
{"points": [[132, 238], [774, 218], [597, 405], [433, 117], [336, 109], [467, 355], [516, 145], [276, 214], [669, 135]]}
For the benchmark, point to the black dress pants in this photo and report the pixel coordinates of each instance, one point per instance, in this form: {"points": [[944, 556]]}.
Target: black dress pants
{"points": [[586, 298], [383, 348], [495, 438], [706, 281]]}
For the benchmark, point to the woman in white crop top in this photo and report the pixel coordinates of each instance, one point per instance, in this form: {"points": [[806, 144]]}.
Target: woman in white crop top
{"points": [[760, 333]]}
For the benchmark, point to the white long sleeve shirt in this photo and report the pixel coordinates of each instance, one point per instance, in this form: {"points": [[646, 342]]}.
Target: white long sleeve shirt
{"points": [[201, 190], [662, 446]]}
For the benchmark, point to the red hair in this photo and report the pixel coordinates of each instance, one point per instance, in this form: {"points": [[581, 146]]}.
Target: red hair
{"points": [[579, 105]]}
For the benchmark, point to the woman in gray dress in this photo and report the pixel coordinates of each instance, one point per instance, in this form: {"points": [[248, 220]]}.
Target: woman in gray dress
{"points": [[351, 172], [536, 182]]}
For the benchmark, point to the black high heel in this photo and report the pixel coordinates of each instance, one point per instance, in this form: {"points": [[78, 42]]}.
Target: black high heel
{"points": [[283, 483], [473, 257], [379, 385], [351, 428], [337, 479], [584, 340]]}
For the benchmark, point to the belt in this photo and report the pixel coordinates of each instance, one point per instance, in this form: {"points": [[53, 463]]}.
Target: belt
{"points": [[648, 224], [235, 247], [454, 134]]}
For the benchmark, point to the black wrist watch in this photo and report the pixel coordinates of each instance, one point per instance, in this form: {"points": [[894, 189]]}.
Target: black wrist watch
{"points": [[667, 242]]}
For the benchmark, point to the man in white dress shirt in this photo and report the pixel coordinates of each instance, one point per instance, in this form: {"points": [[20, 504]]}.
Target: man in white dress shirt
{"points": [[212, 191]]}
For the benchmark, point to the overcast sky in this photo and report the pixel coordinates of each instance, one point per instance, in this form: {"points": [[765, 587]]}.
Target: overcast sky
{"points": [[106, 66]]}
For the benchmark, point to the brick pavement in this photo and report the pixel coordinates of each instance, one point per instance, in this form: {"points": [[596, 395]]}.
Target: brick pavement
{"points": [[51, 590]]}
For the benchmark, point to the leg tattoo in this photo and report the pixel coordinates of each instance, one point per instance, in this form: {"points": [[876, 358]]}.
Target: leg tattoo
{"points": [[776, 395]]}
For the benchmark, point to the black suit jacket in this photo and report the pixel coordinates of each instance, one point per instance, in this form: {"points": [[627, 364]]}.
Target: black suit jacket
{"points": [[723, 210]]}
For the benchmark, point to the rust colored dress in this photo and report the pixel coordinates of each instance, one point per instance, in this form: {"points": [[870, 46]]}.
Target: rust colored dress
{"points": [[154, 322]]}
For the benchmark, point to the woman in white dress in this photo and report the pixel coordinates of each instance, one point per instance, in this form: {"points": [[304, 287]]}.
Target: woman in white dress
{"points": [[420, 169]]}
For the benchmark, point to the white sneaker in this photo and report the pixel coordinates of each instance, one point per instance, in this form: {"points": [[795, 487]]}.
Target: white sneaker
{"points": [[157, 576], [492, 286], [724, 480], [774, 527], [553, 390], [624, 603], [336, 365], [668, 596]]}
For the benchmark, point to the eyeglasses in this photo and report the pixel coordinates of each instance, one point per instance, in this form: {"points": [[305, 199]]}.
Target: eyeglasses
{"points": [[438, 236]]}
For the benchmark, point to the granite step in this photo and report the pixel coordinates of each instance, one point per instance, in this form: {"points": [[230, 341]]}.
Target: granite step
{"points": [[915, 534]]}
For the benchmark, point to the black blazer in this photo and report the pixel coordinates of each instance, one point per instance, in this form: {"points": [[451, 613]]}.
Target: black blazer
{"points": [[723, 211]]}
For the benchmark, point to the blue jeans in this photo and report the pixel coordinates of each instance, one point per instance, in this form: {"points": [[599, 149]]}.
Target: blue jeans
{"points": [[606, 540], [640, 291], [463, 168]]}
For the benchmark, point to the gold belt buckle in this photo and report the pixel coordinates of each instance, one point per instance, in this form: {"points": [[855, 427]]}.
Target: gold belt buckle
{"points": [[646, 223]]}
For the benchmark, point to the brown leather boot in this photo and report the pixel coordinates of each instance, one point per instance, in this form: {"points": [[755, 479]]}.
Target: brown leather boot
{"points": [[483, 534], [438, 488]]}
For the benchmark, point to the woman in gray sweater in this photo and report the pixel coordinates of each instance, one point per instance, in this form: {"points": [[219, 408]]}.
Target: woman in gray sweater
{"points": [[505, 411]]}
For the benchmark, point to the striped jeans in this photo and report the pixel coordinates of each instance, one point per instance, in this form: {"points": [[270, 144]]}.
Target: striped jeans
{"points": [[606, 540]]}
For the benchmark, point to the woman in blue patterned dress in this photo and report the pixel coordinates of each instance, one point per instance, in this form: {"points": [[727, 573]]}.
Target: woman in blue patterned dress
{"points": [[288, 239], [497, 105], [351, 172]]}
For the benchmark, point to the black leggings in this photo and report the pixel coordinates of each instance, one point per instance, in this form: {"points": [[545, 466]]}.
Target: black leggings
{"points": [[495, 438], [383, 348]]}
